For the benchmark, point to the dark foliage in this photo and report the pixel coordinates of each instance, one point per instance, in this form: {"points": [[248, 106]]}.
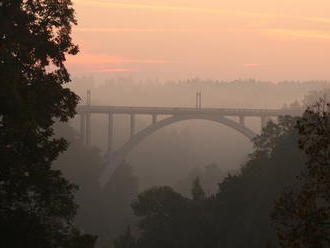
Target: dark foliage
{"points": [[238, 215], [302, 214], [102, 211], [36, 202], [125, 241], [209, 177], [244, 201]]}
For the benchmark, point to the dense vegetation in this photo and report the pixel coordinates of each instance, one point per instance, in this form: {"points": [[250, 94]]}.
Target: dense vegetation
{"points": [[36, 201], [302, 213], [239, 214], [102, 211]]}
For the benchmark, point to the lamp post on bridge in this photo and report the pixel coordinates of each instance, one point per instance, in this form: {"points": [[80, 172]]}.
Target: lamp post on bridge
{"points": [[85, 123]]}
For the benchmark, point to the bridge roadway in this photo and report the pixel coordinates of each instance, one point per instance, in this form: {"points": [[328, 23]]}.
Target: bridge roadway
{"points": [[85, 109]]}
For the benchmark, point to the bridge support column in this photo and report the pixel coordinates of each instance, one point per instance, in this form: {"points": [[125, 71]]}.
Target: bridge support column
{"points": [[264, 121], [242, 120], [154, 119], [132, 125], [198, 100], [110, 133], [88, 129], [82, 127], [88, 119]]}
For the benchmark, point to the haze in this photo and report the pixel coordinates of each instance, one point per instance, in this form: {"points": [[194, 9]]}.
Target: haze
{"points": [[177, 124], [267, 40]]}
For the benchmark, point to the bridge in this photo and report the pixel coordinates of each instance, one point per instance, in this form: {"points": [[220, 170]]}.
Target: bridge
{"points": [[172, 115]]}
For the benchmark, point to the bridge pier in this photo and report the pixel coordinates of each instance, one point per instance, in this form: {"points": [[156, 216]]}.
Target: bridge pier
{"points": [[263, 122], [82, 127], [198, 100], [110, 132], [154, 119], [88, 129], [242, 120], [85, 128], [132, 130], [88, 120]]}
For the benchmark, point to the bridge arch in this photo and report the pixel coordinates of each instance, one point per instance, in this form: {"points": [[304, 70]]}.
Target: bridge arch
{"points": [[114, 159]]}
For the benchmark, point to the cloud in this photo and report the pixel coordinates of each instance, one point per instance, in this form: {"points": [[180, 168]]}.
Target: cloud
{"points": [[252, 65], [101, 59], [116, 70], [136, 30], [318, 20], [300, 33], [172, 8], [99, 3]]}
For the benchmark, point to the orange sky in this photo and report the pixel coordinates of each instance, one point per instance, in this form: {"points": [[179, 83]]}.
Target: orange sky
{"points": [[170, 39]]}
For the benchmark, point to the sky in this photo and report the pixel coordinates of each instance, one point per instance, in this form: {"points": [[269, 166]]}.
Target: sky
{"points": [[211, 39]]}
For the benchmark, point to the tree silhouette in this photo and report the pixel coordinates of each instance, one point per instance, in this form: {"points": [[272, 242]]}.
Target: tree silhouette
{"points": [[36, 202], [126, 240], [238, 215], [162, 214], [197, 191], [302, 214]]}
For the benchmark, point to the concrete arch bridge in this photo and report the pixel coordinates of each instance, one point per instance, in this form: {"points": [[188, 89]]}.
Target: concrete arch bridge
{"points": [[218, 115]]}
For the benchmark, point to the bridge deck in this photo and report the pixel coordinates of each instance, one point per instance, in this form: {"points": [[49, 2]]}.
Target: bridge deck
{"points": [[185, 110]]}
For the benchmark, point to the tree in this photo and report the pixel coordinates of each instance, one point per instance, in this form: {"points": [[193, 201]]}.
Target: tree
{"points": [[301, 215], [36, 202], [245, 199], [238, 215], [162, 212], [210, 176], [197, 191], [125, 241], [105, 211], [167, 219], [115, 212], [312, 97]]}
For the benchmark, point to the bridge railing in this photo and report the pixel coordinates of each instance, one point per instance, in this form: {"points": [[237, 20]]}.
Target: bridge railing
{"points": [[185, 110]]}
